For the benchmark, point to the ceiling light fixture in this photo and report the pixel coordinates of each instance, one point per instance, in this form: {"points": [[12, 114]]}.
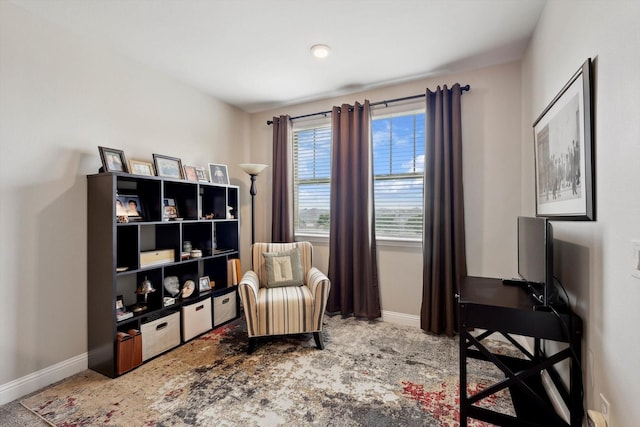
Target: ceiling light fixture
{"points": [[320, 50]]}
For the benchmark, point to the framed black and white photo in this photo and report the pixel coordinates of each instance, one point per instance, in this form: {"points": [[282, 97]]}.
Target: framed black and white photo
{"points": [[168, 167], [202, 174], [563, 147], [218, 174], [113, 160], [204, 284]]}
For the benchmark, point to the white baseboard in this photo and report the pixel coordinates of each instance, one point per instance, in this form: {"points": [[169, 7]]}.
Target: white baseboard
{"points": [[401, 318], [35, 381]]}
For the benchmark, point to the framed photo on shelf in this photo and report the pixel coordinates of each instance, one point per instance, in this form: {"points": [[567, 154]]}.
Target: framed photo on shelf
{"points": [[138, 167], [133, 207], [168, 167], [190, 173], [202, 174], [563, 147], [204, 284], [218, 174], [113, 160], [169, 209]]}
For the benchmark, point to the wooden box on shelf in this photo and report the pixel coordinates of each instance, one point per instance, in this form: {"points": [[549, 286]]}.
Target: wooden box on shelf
{"points": [[155, 258]]}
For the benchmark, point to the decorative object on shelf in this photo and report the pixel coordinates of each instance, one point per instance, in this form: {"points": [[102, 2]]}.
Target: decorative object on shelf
{"points": [[139, 167], [188, 288], [253, 169], [168, 167], [172, 285], [218, 174], [169, 209], [202, 174], [121, 311], [113, 160], [204, 284], [563, 142], [186, 246], [144, 289], [169, 301], [196, 253], [190, 173], [229, 214]]}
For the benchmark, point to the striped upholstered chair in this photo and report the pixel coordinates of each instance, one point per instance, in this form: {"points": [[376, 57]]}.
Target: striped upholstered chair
{"points": [[283, 293]]}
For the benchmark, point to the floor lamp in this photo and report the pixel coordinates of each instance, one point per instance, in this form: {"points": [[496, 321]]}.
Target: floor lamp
{"points": [[253, 169]]}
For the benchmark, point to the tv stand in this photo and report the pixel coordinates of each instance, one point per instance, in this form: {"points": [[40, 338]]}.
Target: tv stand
{"points": [[487, 304]]}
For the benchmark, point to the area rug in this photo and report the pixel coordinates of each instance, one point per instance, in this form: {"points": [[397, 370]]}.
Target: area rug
{"points": [[371, 373]]}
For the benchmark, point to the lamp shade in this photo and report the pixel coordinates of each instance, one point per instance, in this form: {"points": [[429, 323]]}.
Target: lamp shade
{"points": [[252, 168]]}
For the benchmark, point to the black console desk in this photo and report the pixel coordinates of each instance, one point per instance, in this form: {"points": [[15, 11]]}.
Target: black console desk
{"points": [[489, 304]]}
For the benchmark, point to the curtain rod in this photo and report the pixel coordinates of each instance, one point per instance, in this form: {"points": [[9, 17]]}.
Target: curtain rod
{"points": [[373, 104]]}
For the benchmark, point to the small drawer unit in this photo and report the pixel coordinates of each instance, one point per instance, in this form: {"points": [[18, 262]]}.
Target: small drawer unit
{"points": [[160, 335], [196, 319], [225, 307]]}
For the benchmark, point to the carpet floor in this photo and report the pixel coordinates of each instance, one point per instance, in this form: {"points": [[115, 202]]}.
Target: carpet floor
{"points": [[371, 373]]}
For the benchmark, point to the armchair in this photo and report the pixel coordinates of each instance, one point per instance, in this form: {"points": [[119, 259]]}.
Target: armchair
{"points": [[277, 304]]}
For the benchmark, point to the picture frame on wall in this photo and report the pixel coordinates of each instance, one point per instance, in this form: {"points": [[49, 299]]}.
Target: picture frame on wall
{"points": [[218, 174], [139, 167], [168, 167], [563, 152], [113, 160]]}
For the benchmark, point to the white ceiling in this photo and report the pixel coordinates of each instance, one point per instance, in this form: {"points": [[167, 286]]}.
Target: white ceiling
{"points": [[255, 53]]}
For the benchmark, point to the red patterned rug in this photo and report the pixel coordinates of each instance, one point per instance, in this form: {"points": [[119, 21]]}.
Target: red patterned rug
{"points": [[370, 374]]}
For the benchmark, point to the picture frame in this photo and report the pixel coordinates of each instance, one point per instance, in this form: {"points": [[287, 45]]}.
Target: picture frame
{"points": [[202, 174], [113, 160], [169, 209], [134, 209], [204, 284], [168, 167], [190, 173], [218, 174], [139, 167], [563, 152]]}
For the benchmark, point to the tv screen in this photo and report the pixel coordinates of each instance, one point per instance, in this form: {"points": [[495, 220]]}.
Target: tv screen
{"points": [[535, 255]]}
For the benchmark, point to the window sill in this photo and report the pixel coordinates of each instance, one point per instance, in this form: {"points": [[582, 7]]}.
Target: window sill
{"points": [[323, 239]]}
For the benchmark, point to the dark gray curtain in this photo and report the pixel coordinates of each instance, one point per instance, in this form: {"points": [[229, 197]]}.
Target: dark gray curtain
{"points": [[281, 198], [353, 264], [444, 236]]}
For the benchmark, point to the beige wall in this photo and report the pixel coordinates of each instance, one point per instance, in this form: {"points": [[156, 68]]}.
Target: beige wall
{"points": [[61, 97], [594, 258], [491, 137]]}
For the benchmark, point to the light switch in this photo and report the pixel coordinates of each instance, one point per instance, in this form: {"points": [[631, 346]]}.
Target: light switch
{"points": [[635, 272]]}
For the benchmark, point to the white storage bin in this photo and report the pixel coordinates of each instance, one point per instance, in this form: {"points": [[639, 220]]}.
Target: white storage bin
{"points": [[160, 335], [196, 319], [224, 307]]}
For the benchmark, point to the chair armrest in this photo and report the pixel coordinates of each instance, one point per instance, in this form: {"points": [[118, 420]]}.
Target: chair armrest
{"points": [[248, 290], [319, 284]]}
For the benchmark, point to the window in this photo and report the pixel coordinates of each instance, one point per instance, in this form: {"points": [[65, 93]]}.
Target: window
{"points": [[398, 165], [311, 179]]}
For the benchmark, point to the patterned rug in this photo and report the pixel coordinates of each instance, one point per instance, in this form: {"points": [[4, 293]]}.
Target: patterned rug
{"points": [[370, 374]]}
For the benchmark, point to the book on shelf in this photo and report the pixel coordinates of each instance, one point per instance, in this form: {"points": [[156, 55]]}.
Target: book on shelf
{"points": [[234, 273]]}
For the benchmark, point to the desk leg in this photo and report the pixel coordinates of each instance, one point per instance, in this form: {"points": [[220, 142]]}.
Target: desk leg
{"points": [[463, 378]]}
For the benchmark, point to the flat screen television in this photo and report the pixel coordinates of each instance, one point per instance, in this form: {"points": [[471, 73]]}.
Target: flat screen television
{"points": [[535, 257]]}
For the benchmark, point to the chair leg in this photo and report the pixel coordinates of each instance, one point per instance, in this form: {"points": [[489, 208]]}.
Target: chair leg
{"points": [[253, 342], [319, 340]]}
